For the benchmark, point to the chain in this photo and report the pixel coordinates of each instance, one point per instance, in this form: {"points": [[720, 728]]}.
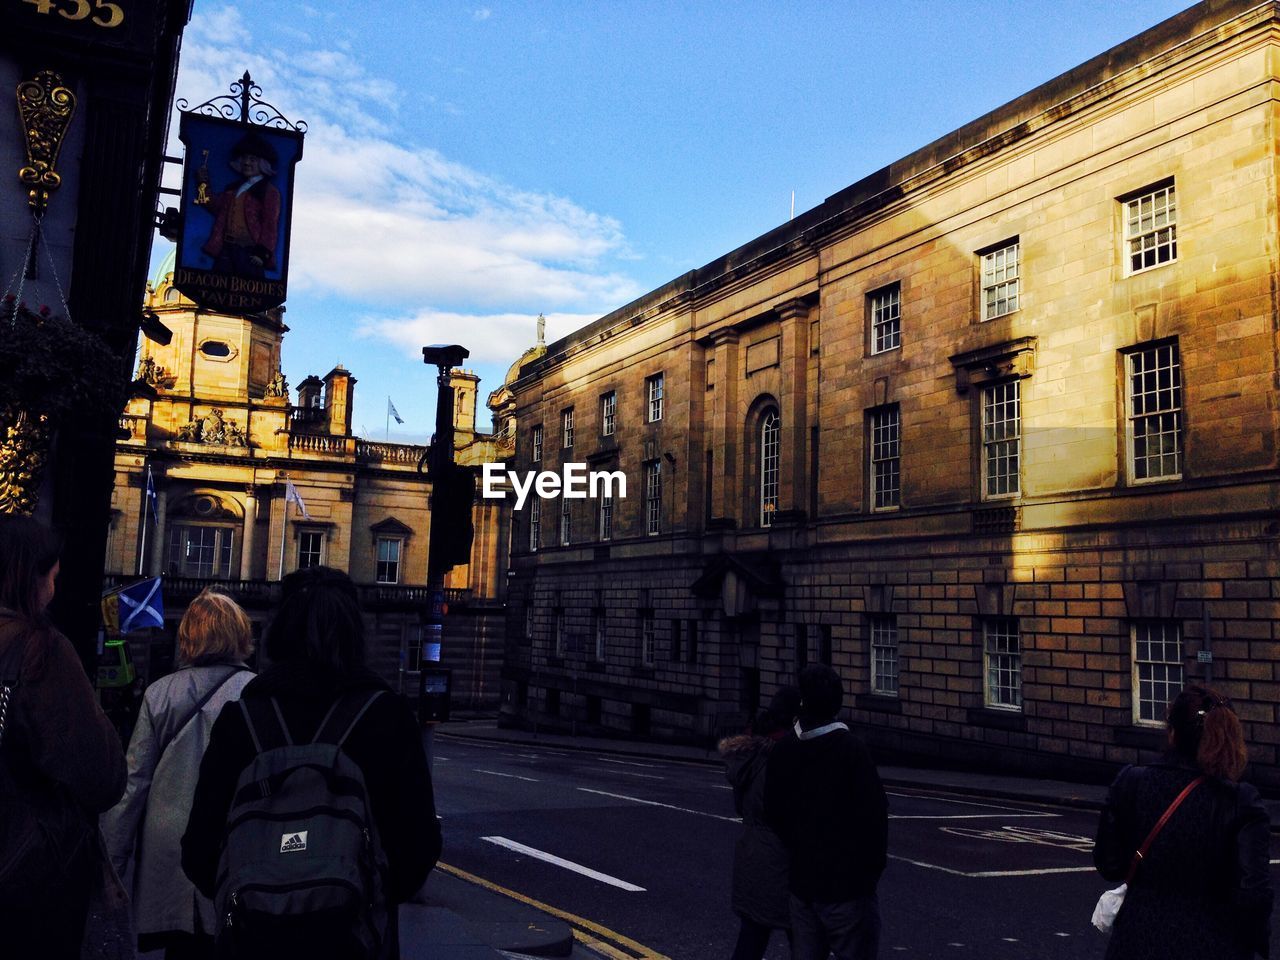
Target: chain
{"points": [[4, 708]]}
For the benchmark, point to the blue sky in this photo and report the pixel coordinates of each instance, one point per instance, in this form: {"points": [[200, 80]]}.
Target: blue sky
{"points": [[471, 165]]}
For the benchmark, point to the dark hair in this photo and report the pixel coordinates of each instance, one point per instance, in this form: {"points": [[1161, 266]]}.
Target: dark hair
{"points": [[318, 621], [821, 693], [28, 551], [1206, 730], [782, 710]]}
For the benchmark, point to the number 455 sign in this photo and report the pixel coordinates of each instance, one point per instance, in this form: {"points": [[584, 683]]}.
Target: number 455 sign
{"points": [[99, 12]]}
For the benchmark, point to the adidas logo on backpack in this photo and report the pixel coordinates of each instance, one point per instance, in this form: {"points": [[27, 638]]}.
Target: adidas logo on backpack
{"points": [[330, 902]]}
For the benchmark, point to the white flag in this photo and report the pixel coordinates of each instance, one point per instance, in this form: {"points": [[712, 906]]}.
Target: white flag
{"points": [[291, 495], [393, 412]]}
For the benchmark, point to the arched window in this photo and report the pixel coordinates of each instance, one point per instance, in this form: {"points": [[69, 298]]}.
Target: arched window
{"points": [[769, 442]]}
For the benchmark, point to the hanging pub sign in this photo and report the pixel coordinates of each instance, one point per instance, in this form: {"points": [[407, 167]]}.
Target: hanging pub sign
{"points": [[237, 198]]}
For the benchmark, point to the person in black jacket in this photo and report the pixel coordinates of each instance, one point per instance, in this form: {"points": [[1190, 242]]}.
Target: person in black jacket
{"points": [[1204, 888], [823, 797], [316, 649]]}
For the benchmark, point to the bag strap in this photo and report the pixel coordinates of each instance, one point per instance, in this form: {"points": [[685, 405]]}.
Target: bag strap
{"points": [[1141, 854], [11, 670], [345, 713], [269, 731], [195, 711]]}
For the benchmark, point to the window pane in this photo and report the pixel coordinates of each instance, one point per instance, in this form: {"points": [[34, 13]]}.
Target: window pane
{"points": [[1155, 413], [886, 458], [884, 655], [1157, 668], [1001, 439], [1151, 229], [770, 431], [1003, 654], [886, 319]]}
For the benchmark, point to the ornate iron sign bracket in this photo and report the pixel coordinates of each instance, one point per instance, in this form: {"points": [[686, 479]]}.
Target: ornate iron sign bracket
{"points": [[244, 103], [46, 106]]}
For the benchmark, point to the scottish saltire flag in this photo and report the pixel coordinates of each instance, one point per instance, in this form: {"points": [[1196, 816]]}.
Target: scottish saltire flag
{"points": [[151, 495], [393, 412], [291, 495], [135, 607]]}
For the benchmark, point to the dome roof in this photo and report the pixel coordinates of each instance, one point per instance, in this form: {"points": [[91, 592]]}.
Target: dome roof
{"points": [[513, 372], [165, 267]]}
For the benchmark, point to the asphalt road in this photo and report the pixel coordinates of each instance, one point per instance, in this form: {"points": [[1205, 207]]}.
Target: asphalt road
{"points": [[644, 847]]}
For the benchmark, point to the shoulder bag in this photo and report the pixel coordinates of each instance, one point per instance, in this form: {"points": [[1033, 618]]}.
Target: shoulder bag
{"points": [[1109, 904]]}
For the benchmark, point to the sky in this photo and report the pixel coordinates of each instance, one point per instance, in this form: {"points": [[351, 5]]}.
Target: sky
{"points": [[468, 166]]}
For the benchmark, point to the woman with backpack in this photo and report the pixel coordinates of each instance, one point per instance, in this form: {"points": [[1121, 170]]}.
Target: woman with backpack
{"points": [[1202, 888], [177, 714], [314, 817], [61, 762]]}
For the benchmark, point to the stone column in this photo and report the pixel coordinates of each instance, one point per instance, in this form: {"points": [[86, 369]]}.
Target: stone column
{"points": [[246, 540], [725, 431], [158, 545], [794, 366]]}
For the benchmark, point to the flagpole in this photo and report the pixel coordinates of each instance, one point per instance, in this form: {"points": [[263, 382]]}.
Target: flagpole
{"points": [[388, 417], [142, 559], [284, 527]]}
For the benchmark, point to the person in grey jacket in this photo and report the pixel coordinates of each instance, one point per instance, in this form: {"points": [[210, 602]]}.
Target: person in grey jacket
{"points": [[146, 826]]}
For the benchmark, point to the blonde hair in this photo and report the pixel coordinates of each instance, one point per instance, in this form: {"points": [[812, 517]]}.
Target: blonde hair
{"points": [[214, 628]]}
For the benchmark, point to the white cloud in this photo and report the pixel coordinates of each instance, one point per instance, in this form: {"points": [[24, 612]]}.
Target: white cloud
{"points": [[492, 338], [484, 13], [386, 221]]}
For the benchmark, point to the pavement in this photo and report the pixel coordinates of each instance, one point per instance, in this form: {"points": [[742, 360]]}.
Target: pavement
{"points": [[458, 919]]}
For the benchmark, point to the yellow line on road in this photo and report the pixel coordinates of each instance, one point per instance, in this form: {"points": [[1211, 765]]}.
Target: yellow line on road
{"points": [[604, 939]]}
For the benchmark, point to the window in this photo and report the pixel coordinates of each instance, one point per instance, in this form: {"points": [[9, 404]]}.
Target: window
{"points": [[691, 642], [653, 496], [528, 622], [388, 560], [1001, 440], [413, 653], [535, 524], [802, 645], [608, 411], [884, 655], [561, 641], [566, 522], [537, 444], [200, 551], [886, 458], [1002, 654], [1153, 431], [310, 548], [885, 308], [606, 515], [824, 644], [1151, 229], [675, 638], [648, 632], [566, 428], [653, 390], [1000, 281], [770, 431], [1157, 669], [598, 630]]}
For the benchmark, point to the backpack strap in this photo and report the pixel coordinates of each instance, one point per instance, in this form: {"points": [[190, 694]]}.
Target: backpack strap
{"points": [[265, 722], [343, 716], [203, 702]]}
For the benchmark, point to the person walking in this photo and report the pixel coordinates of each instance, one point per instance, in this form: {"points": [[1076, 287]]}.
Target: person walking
{"points": [[315, 646], [760, 898], [1203, 888], [61, 762], [823, 797], [177, 715]]}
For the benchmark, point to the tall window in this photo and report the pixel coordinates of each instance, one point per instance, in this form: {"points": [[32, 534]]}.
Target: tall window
{"points": [[653, 496], [653, 391], [884, 655], [310, 548], [598, 630], [885, 307], [770, 430], [606, 515], [535, 524], [537, 444], [1002, 655], [1154, 416], [608, 413], [566, 522], [1000, 281], [1001, 440], [566, 428], [691, 642], [388, 554], [528, 621], [1157, 668], [1151, 229], [559, 637], [200, 551], [648, 636], [886, 458]]}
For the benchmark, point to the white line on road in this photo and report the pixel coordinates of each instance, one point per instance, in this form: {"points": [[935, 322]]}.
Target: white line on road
{"points": [[567, 864], [655, 803], [628, 763], [970, 816], [967, 803], [627, 773], [986, 874], [513, 776]]}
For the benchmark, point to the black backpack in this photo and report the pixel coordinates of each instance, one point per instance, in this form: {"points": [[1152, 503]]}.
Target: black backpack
{"points": [[302, 872]]}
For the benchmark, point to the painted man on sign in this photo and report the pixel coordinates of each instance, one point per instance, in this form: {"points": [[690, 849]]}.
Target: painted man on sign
{"points": [[246, 214]]}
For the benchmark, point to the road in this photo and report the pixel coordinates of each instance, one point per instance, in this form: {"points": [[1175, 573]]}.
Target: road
{"points": [[643, 848]]}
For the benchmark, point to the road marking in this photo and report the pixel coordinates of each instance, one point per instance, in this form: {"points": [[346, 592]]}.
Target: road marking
{"points": [[580, 924], [967, 803], [513, 776], [629, 763], [721, 786], [655, 803], [970, 816], [445, 759], [627, 773], [989, 874], [566, 864], [1047, 838]]}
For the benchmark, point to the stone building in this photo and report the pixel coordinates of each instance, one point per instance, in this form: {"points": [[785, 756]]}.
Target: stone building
{"points": [[212, 419], [992, 431]]}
